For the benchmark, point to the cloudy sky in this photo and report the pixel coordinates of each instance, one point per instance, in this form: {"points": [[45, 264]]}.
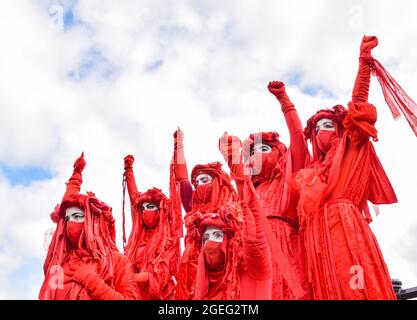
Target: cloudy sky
{"points": [[112, 78]]}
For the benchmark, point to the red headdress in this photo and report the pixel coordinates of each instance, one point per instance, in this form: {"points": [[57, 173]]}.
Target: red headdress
{"points": [[222, 188], [275, 163], [97, 239], [337, 114]]}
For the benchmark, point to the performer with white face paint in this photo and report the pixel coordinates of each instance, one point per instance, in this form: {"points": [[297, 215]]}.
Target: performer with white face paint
{"points": [[235, 258], [209, 190], [83, 262], [342, 176], [154, 242], [270, 165]]}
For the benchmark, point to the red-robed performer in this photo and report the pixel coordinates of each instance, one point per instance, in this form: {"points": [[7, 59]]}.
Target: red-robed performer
{"points": [[211, 189], [83, 262], [235, 259], [344, 260], [270, 166], [154, 242]]}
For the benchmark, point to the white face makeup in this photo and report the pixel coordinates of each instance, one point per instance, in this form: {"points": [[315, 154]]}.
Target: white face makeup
{"points": [[74, 214], [325, 124], [261, 148], [203, 178], [213, 234], [149, 206]]}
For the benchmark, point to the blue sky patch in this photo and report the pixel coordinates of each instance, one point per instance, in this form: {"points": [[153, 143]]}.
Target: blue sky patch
{"points": [[24, 175], [154, 65], [93, 61]]}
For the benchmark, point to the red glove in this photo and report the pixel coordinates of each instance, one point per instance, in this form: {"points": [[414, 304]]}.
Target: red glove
{"points": [[368, 43], [129, 159], [229, 147], [361, 88], [81, 273], [277, 88], [180, 166], [80, 163], [178, 139]]}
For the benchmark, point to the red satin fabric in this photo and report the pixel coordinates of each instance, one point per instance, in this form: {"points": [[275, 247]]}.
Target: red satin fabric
{"points": [[155, 250]]}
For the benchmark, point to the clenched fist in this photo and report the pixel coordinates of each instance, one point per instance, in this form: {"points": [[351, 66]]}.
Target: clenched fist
{"points": [[129, 159], [277, 88], [368, 43], [80, 163]]}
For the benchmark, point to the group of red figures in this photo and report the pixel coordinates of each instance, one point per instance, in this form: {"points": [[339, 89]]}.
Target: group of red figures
{"points": [[284, 224]]}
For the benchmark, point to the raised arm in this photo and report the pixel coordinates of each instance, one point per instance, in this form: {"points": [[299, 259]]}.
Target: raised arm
{"points": [[298, 145], [181, 171], [361, 88], [362, 116], [130, 178], [74, 183]]}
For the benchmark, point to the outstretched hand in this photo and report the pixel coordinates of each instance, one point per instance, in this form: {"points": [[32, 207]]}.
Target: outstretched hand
{"points": [[368, 43]]}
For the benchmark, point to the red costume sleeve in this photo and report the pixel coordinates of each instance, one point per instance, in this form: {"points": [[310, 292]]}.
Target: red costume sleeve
{"points": [[257, 278], [131, 184], [360, 121], [124, 282], [181, 171], [255, 244], [298, 145]]}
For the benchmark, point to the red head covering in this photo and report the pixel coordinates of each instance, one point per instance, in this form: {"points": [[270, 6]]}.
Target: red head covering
{"points": [[97, 238], [145, 245], [337, 114], [275, 161], [224, 284], [222, 188]]}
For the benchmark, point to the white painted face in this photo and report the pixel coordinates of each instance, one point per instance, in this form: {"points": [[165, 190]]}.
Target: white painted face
{"points": [[214, 234], [325, 124], [74, 214], [149, 206], [203, 178], [261, 148]]}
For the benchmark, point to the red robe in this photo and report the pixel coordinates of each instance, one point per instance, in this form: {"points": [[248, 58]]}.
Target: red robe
{"points": [[344, 260], [155, 251], [222, 194], [114, 278], [247, 274]]}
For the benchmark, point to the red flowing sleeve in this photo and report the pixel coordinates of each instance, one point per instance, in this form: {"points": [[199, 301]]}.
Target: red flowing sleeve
{"points": [[255, 244]]}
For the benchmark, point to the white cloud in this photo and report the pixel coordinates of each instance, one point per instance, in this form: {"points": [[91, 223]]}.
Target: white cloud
{"points": [[212, 62]]}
